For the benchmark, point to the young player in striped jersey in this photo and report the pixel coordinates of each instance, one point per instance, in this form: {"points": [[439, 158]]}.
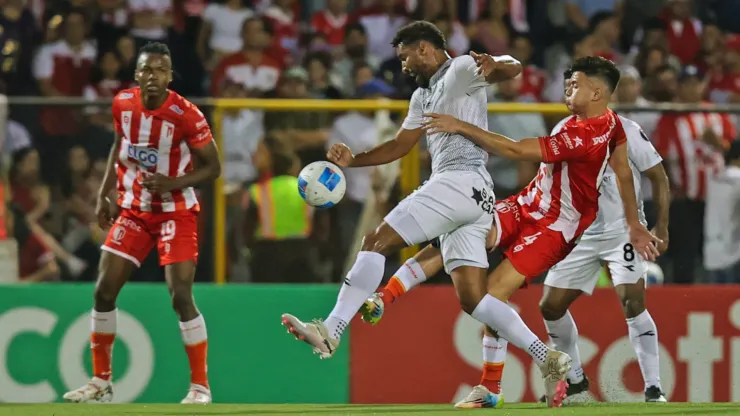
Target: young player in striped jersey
{"points": [[158, 136], [540, 226]]}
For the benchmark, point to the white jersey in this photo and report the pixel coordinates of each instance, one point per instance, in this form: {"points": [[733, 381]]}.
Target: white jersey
{"points": [[722, 220], [642, 156], [456, 89]]}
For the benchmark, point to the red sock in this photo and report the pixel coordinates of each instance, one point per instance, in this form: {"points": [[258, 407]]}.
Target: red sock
{"points": [[198, 358], [492, 375], [102, 354], [392, 290]]}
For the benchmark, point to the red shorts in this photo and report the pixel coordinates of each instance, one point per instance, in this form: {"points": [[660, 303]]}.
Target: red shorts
{"points": [[531, 247], [135, 233]]}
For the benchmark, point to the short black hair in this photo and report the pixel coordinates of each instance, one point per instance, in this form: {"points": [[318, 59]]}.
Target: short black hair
{"points": [[158, 48], [355, 27], [596, 66], [419, 31]]}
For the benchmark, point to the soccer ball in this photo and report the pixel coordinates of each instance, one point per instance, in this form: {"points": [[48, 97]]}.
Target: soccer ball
{"points": [[654, 274], [321, 184]]}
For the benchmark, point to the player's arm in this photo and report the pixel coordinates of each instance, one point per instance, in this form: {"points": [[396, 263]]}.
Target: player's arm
{"points": [[207, 167], [109, 178], [497, 68], [662, 199]]}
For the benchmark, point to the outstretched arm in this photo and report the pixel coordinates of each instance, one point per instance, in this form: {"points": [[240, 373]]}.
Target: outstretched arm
{"points": [[389, 151], [497, 68]]}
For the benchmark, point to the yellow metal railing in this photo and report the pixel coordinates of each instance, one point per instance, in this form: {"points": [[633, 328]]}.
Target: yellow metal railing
{"points": [[410, 164]]}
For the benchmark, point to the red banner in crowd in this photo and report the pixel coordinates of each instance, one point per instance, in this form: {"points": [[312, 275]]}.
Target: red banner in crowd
{"points": [[426, 350]]}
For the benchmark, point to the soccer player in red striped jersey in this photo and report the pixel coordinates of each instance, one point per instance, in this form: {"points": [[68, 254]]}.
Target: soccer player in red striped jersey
{"points": [[159, 135], [539, 227]]}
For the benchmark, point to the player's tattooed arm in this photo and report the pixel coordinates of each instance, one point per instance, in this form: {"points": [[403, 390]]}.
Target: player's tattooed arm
{"points": [[524, 150], [662, 199]]}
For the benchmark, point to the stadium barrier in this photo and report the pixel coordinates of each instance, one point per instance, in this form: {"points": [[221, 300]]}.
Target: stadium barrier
{"points": [[424, 351], [410, 165]]}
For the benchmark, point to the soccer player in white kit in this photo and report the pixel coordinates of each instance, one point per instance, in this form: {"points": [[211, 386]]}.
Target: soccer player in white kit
{"points": [[606, 242], [456, 203]]}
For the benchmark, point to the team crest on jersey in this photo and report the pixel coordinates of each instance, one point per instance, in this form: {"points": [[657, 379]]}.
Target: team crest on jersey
{"points": [[125, 96], [176, 109], [145, 156]]}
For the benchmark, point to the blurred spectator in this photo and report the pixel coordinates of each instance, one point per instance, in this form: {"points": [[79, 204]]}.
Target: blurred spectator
{"points": [[16, 137], [580, 12], [18, 39], [355, 52], [650, 59], [709, 59], [306, 132], [221, 31], [242, 131], [722, 239], [683, 29], [381, 23], [359, 132], [692, 146], [534, 79], [126, 52], [457, 38], [283, 19], [252, 67], [33, 198], [332, 21], [653, 34], [724, 86], [279, 224], [62, 69], [629, 92], [516, 126], [493, 31], [321, 84], [604, 29], [582, 46], [36, 262], [663, 84], [361, 76], [111, 24], [150, 20]]}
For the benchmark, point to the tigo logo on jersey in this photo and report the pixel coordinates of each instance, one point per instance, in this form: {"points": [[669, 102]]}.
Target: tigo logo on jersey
{"points": [[146, 156]]}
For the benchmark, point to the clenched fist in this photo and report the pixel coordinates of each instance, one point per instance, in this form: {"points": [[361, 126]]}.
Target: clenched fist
{"points": [[340, 155]]}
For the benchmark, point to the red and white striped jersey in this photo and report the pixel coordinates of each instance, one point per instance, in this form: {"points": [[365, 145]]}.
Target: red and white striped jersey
{"points": [[156, 141], [565, 192], [692, 162]]}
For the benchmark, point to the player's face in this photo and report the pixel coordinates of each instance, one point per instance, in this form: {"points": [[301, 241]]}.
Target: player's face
{"points": [[153, 73], [414, 62], [580, 90]]}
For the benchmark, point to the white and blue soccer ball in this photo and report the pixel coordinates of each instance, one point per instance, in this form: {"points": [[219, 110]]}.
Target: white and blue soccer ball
{"points": [[654, 274], [322, 184]]}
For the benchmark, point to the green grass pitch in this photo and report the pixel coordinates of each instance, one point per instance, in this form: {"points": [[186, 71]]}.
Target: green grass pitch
{"points": [[591, 409]]}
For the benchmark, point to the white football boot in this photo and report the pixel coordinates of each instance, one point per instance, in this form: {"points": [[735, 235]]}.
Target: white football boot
{"points": [[554, 372], [96, 390], [480, 397], [197, 394], [312, 333]]}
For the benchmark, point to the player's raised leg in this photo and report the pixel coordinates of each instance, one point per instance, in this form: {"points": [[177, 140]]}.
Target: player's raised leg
{"points": [[415, 271], [643, 335], [178, 251]]}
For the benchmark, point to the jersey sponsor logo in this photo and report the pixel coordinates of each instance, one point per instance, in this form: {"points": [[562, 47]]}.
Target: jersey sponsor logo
{"points": [[567, 140], [176, 109], [203, 123], [554, 146], [484, 200], [145, 156], [606, 136], [127, 223], [125, 96]]}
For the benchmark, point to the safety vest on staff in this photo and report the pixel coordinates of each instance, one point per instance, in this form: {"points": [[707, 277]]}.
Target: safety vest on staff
{"points": [[283, 214]]}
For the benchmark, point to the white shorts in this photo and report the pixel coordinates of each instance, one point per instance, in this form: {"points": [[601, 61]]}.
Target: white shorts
{"points": [[581, 269], [455, 206]]}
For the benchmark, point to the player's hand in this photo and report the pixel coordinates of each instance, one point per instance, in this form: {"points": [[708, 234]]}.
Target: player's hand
{"points": [[662, 234], [158, 183], [104, 213], [486, 63], [340, 155], [441, 123], [644, 242]]}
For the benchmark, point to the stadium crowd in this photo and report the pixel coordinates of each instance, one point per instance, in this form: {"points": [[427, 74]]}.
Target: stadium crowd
{"points": [[669, 51]]}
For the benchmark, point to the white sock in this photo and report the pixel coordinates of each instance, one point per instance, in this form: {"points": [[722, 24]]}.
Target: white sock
{"points": [[103, 322], [494, 349], [410, 274], [509, 325], [644, 336], [564, 336], [361, 282], [194, 331]]}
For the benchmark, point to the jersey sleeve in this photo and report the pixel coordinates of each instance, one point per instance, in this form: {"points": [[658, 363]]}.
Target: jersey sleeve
{"points": [[414, 118], [640, 150], [196, 129], [466, 74], [563, 146]]}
